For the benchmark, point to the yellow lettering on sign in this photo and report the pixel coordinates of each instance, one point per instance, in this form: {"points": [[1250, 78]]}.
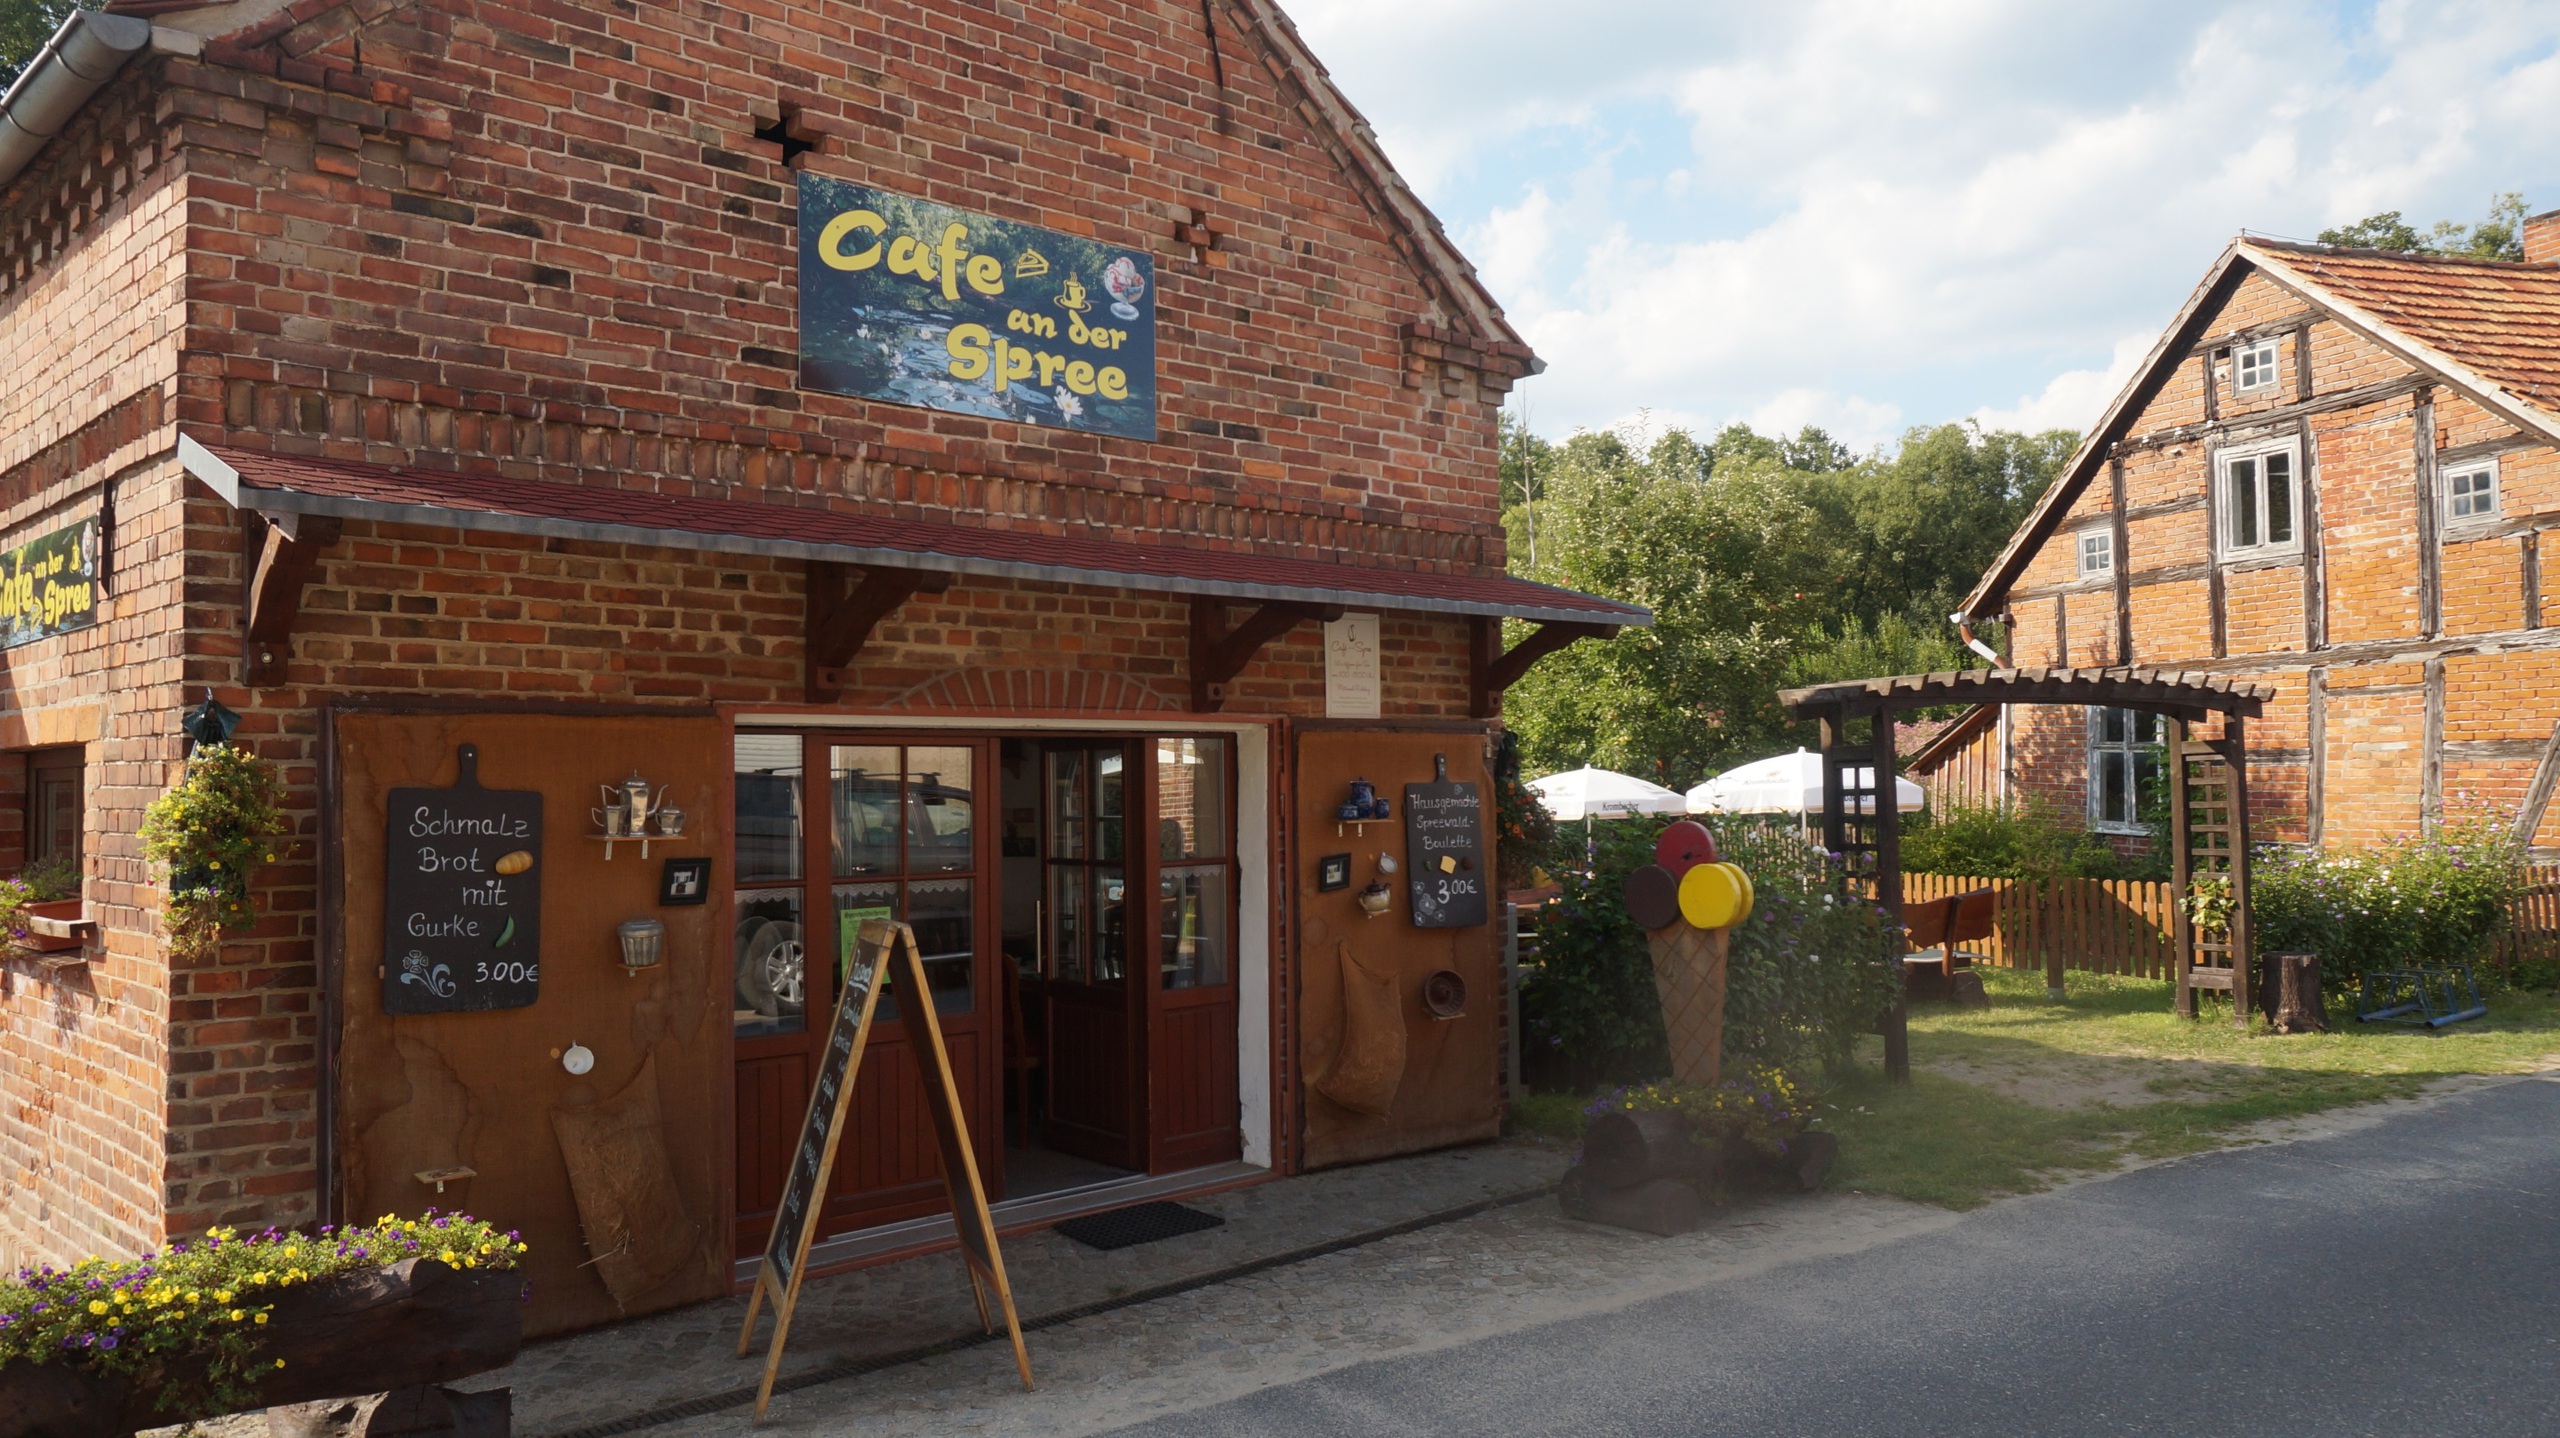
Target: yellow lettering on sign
{"points": [[1113, 382], [1080, 376], [967, 346], [831, 240], [906, 257], [986, 274]]}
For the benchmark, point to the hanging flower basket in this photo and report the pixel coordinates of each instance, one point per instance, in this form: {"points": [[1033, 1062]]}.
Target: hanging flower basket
{"points": [[211, 832], [227, 1324]]}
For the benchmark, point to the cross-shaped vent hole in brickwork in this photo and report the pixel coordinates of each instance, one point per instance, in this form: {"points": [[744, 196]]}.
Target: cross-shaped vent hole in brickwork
{"points": [[786, 132]]}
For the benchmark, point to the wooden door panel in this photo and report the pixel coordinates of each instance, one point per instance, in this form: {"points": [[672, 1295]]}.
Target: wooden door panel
{"points": [[1089, 1087], [767, 1089], [1194, 1057]]}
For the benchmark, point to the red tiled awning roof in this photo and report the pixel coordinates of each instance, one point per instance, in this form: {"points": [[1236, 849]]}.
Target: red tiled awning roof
{"points": [[289, 484]]}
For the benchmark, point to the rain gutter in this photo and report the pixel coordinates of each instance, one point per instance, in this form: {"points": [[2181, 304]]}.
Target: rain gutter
{"points": [[82, 56]]}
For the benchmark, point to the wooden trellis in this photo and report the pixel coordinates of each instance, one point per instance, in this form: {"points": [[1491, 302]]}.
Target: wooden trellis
{"points": [[2209, 792]]}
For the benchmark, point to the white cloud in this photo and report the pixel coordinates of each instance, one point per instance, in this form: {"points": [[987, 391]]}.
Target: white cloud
{"points": [[2072, 399], [1866, 213]]}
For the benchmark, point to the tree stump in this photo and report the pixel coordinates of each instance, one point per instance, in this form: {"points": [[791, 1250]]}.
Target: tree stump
{"points": [[2290, 989], [1624, 1150], [1665, 1206]]}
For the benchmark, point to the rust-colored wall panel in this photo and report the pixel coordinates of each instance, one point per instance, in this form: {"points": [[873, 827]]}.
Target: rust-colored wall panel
{"points": [[1451, 1089], [481, 1089]]}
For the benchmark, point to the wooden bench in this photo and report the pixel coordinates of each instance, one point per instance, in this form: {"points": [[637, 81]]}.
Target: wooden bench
{"points": [[1938, 931]]}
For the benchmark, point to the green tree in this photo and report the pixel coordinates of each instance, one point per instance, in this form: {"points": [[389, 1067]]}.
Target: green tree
{"points": [[24, 27], [1913, 534], [2499, 237], [1732, 562]]}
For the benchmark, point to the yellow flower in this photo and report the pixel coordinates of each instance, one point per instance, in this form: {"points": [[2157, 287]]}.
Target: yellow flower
{"points": [[262, 1318], [279, 1363], [97, 1306], [237, 1315], [222, 1295]]}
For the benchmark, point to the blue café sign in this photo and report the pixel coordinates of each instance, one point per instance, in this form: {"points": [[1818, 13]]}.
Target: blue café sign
{"points": [[918, 303]]}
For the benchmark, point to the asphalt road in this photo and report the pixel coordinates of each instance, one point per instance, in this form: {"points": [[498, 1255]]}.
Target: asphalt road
{"points": [[2397, 1279]]}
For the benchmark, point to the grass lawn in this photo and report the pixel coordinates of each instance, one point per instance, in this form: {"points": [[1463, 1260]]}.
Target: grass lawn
{"points": [[2008, 1099]]}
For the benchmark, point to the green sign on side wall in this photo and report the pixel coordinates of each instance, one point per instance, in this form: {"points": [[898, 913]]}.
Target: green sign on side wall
{"points": [[49, 585], [918, 303]]}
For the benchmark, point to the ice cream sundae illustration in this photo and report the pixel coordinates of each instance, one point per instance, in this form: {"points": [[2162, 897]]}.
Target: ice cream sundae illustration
{"points": [[1125, 284]]}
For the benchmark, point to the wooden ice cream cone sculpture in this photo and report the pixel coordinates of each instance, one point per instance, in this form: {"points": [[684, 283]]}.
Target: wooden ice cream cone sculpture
{"points": [[1688, 905], [1688, 976]]}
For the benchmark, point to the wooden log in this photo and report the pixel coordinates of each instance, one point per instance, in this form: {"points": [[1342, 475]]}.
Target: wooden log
{"points": [[1626, 1150], [1664, 1206], [422, 1412], [415, 1322], [2292, 994]]}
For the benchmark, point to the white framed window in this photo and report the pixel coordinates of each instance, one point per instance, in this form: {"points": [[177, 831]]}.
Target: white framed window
{"points": [[2471, 491], [2260, 498], [2125, 756], [2097, 553], [2253, 367]]}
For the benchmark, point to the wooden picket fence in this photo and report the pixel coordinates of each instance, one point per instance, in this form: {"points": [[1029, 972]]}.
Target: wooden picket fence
{"points": [[2123, 926], [2100, 926]]}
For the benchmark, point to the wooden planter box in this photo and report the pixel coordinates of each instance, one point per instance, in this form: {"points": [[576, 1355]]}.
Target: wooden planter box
{"points": [[414, 1322], [57, 933]]}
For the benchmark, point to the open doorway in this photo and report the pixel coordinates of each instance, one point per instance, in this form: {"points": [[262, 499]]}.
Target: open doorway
{"points": [[1119, 939]]}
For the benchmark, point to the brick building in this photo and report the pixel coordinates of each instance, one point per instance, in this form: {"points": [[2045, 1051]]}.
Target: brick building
{"points": [[2331, 476], [624, 391]]}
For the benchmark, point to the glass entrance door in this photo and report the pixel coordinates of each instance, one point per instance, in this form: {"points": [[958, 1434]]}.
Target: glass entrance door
{"points": [[890, 831], [1096, 1009]]}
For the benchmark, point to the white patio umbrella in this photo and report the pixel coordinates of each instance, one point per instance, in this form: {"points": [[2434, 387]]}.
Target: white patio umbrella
{"points": [[1589, 794], [1788, 784]]}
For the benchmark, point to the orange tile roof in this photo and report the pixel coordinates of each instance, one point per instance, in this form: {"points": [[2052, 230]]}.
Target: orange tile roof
{"points": [[2499, 318]]}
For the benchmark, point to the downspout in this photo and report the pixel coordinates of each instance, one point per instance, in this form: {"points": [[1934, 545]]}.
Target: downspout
{"points": [[83, 55], [1964, 630]]}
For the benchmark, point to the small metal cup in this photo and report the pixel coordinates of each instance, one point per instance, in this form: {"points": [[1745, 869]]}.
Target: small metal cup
{"points": [[670, 820], [643, 943]]}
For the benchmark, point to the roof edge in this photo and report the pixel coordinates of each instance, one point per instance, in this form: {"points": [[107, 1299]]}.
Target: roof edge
{"points": [[83, 55]]}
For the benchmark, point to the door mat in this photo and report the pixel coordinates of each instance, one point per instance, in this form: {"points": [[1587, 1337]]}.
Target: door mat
{"points": [[1144, 1223]]}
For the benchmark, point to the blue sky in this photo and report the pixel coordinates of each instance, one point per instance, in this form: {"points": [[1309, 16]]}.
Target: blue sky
{"points": [[1873, 215]]}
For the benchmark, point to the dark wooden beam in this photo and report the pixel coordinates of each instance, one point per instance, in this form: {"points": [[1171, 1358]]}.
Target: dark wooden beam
{"points": [[1496, 669], [278, 555], [1219, 654], [842, 616]]}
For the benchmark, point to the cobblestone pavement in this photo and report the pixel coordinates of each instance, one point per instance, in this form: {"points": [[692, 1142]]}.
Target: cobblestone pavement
{"points": [[1501, 1271], [631, 1368]]}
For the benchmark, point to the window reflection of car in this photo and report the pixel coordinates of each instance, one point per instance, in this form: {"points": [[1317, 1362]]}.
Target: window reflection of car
{"points": [[772, 975], [939, 819]]}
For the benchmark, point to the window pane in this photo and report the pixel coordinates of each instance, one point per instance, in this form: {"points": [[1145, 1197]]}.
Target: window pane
{"points": [[2113, 804], [2279, 499], [1110, 790], [2111, 726], [2244, 503], [1067, 809], [2146, 777], [946, 934], [770, 968], [856, 905], [1068, 912], [864, 779], [941, 812], [768, 797], [1191, 798], [2146, 727], [1111, 926], [1193, 919]]}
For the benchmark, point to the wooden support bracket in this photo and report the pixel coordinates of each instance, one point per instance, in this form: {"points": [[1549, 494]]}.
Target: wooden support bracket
{"points": [[842, 616], [1495, 669], [278, 554], [1219, 654]]}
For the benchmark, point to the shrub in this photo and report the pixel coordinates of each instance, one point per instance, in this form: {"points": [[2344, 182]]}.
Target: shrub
{"points": [[52, 878], [190, 1316], [2442, 899], [1758, 1104], [1806, 974], [2006, 841]]}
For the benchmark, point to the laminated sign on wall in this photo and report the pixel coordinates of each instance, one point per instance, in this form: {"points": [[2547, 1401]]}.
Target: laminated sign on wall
{"points": [[1351, 667], [918, 303]]}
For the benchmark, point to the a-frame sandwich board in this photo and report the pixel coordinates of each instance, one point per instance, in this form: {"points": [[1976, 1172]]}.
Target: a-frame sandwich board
{"points": [[883, 950]]}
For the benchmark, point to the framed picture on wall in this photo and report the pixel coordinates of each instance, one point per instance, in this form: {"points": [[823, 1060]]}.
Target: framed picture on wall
{"points": [[1333, 871], [685, 881]]}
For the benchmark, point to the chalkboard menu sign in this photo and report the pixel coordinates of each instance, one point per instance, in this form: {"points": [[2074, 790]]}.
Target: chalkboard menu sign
{"points": [[462, 896], [1444, 851], [820, 1131]]}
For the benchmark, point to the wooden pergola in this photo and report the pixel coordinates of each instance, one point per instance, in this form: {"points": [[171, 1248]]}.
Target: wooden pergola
{"points": [[2208, 793]]}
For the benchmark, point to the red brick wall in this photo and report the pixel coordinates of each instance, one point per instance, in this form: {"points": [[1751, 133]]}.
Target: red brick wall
{"points": [[2370, 678]]}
